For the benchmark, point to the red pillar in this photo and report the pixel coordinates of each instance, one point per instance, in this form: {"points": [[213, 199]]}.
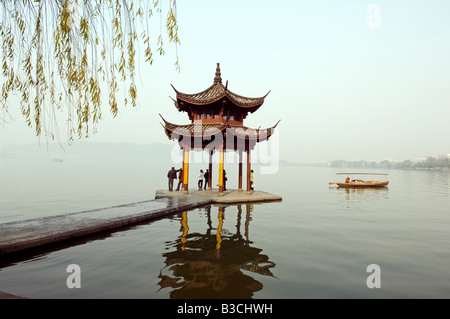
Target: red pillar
{"points": [[210, 170], [249, 168], [240, 172]]}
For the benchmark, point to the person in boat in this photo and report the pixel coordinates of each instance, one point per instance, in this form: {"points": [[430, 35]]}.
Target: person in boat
{"points": [[347, 180]]}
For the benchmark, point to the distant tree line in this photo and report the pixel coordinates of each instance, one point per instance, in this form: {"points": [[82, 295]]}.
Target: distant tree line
{"points": [[428, 164]]}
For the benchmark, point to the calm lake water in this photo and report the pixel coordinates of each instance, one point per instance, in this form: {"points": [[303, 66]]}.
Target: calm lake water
{"points": [[316, 243]]}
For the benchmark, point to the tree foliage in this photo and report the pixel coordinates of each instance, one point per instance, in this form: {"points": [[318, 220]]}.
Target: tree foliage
{"points": [[63, 55]]}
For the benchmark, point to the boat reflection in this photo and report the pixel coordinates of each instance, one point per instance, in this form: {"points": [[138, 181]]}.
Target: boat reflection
{"points": [[212, 264], [362, 194]]}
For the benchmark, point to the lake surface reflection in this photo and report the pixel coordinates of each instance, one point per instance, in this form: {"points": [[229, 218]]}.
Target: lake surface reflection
{"points": [[204, 253], [316, 243], [361, 195], [211, 263]]}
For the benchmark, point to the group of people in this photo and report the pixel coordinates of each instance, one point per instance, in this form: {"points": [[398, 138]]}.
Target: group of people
{"points": [[201, 177], [172, 175]]}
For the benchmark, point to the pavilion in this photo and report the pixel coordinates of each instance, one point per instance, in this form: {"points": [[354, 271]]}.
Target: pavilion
{"points": [[217, 117]]}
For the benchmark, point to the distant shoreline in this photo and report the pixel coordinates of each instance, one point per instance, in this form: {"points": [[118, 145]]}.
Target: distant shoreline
{"points": [[160, 153], [431, 164]]}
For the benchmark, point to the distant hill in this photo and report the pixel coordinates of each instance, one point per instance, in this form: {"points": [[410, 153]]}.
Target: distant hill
{"points": [[159, 152], [442, 164], [89, 150]]}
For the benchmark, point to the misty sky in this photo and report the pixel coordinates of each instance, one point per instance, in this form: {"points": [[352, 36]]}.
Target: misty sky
{"points": [[346, 82]]}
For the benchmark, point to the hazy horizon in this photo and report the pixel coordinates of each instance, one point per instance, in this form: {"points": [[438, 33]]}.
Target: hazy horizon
{"points": [[82, 148], [354, 80]]}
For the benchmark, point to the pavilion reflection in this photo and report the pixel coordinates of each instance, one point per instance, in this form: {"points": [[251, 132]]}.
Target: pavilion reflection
{"points": [[210, 264]]}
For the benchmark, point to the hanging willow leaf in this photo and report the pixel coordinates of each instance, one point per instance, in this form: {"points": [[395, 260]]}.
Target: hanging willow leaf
{"points": [[61, 55]]}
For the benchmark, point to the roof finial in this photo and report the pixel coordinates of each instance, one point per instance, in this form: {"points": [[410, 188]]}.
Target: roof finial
{"points": [[218, 78]]}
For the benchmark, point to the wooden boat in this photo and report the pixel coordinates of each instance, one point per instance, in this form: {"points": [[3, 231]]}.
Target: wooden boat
{"points": [[358, 183]]}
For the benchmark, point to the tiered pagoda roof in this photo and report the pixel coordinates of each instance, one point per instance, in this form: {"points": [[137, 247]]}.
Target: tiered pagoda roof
{"points": [[214, 111], [214, 93]]}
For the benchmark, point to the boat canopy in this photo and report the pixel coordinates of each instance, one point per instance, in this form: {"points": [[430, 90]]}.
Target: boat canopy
{"points": [[361, 174]]}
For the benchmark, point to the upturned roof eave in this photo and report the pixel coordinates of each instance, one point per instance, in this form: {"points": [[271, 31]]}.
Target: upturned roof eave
{"points": [[233, 129], [224, 92]]}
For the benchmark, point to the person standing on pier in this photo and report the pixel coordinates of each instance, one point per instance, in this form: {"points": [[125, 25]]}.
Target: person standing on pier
{"points": [[200, 180], [180, 179], [225, 180], [206, 178], [171, 175]]}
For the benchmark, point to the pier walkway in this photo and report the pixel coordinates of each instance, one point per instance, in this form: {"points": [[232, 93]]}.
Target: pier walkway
{"points": [[33, 233]]}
